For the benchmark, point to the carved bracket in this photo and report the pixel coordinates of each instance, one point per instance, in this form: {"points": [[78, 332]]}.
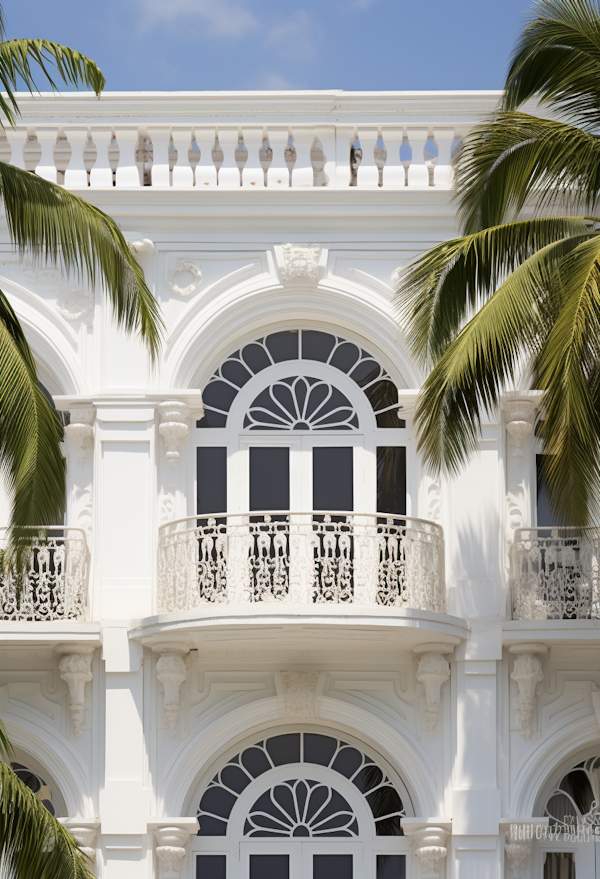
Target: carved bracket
{"points": [[528, 674], [86, 833], [299, 693], [517, 858], [173, 427], [81, 429], [171, 672], [520, 416], [171, 845], [429, 848], [432, 672], [76, 670]]}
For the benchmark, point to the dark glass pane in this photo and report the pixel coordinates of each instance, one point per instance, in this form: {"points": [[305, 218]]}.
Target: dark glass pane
{"points": [[283, 346], [391, 480], [235, 372], [545, 516], [212, 419], [391, 866], [270, 867], [217, 801], [559, 865], [316, 346], [255, 357], [219, 395], [211, 867], [212, 826], [318, 749], [284, 749], [270, 478], [211, 465], [366, 372], [347, 761], [332, 866], [235, 778], [346, 356], [256, 761], [369, 777], [333, 483], [577, 784], [381, 395]]}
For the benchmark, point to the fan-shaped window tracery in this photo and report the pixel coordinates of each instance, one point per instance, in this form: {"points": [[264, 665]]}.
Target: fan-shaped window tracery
{"points": [[300, 345], [576, 798], [304, 806]]}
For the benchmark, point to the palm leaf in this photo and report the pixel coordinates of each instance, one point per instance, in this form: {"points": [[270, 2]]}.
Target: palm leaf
{"points": [[33, 844], [557, 60], [56, 225], [567, 370], [31, 461], [448, 283], [507, 331], [16, 57], [513, 158], [6, 750]]}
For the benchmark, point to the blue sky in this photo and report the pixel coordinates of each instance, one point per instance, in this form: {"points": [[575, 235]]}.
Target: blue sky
{"points": [[278, 44]]}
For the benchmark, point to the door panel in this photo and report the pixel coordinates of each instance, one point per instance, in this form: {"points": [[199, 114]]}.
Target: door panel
{"points": [[269, 478], [391, 480], [332, 867], [211, 867], [391, 867], [269, 867], [211, 479], [333, 478]]}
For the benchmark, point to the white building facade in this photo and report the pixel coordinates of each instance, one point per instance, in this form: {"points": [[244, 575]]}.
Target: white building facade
{"points": [[265, 643]]}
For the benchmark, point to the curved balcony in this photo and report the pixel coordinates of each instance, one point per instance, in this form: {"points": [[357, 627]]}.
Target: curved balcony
{"points": [[52, 583], [555, 574], [310, 559]]}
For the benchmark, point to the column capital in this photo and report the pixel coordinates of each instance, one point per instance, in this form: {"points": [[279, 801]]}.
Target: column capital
{"points": [[172, 837], [429, 839]]}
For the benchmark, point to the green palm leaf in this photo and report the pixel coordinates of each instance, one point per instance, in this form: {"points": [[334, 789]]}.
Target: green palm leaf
{"points": [[448, 283], [15, 64], [57, 225], [557, 60]]}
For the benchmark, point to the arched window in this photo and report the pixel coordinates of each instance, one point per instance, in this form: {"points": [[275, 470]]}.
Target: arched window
{"points": [[290, 804]]}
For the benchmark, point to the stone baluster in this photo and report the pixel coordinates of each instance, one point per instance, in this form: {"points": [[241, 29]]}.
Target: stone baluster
{"points": [[529, 675], [76, 670], [171, 672]]}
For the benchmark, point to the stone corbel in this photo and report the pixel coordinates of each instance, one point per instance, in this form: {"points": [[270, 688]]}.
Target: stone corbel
{"points": [[429, 840], [85, 833], [81, 428], [171, 672], [76, 670], [519, 415], [299, 693], [139, 244], [173, 427], [171, 844], [528, 674], [432, 672]]}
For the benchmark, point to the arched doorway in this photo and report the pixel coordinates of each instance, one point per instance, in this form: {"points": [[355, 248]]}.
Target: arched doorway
{"points": [[301, 805]]}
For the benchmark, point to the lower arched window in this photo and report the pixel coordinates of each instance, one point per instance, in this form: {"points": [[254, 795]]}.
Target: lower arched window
{"points": [[301, 805]]}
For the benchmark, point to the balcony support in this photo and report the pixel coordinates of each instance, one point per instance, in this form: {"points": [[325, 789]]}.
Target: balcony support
{"points": [[171, 672], [528, 674], [433, 671], [76, 670]]}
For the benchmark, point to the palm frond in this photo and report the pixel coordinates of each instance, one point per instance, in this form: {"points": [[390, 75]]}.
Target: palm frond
{"points": [[557, 60], [513, 158], [30, 434], [567, 370], [475, 367], [33, 843], [52, 59], [447, 283], [6, 750], [56, 225]]}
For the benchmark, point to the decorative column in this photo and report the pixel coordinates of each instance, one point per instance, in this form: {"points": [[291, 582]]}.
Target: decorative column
{"points": [[429, 846], [173, 427], [81, 429], [171, 672], [432, 672], [528, 674], [171, 844], [76, 670]]}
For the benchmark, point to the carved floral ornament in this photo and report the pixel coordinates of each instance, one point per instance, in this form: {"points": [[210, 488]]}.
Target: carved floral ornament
{"points": [[171, 672], [174, 428], [528, 675], [76, 670], [300, 263], [171, 844], [429, 847], [433, 671], [185, 278]]}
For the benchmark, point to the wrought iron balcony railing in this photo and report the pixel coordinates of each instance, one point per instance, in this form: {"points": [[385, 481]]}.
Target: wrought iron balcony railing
{"points": [[555, 574], [52, 583], [301, 559]]}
